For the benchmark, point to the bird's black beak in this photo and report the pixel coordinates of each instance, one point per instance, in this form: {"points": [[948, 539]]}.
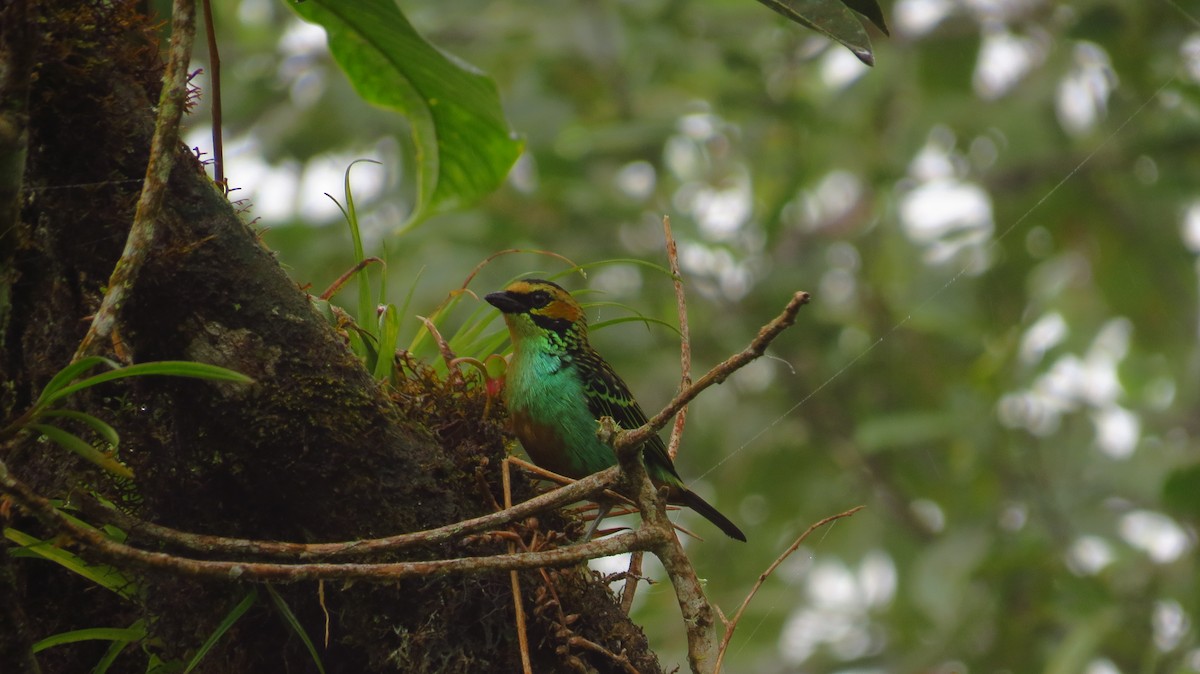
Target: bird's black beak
{"points": [[505, 302]]}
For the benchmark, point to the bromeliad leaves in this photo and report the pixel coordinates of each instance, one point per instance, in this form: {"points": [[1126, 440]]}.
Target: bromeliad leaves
{"points": [[835, 20], [40, 417]]}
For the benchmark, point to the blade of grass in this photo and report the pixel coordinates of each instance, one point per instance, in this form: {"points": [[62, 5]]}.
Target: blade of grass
{"points": [[100, 427], [124, 634], [65, 375], [168, 368], [105, 576], [292, 621], [389, 333], [114, 649], [230, 619], [365, 309], [634, 319], [84, 449]]}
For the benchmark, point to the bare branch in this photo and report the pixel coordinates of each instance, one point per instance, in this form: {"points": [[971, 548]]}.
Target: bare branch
{"points": [[732, 624], [97, 545], [685, 337], [163, 147], [576, 491], [720, 373], [632, 577], [693, 605]]}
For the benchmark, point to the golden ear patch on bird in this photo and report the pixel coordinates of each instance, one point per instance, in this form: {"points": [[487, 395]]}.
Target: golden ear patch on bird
{"points": [[561, 309]]}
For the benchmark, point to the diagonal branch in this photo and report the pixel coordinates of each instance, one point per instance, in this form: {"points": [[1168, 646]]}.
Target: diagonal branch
{"points": [[163, 147], [731, 625], [720, 373]]}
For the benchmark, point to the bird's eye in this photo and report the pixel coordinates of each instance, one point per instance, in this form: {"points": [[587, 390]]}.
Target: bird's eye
{"points": [[539, 299]]}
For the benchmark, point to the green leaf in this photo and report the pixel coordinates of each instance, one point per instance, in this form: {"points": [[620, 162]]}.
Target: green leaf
{"points": [[122, 634], [365, 308], [830, 18], [389, 333], [84, 449], [230, 619], [171, 368], [871, 10], [635, 319], [70, 372], [100, 574], [110, 656], [100, 427], [292, 621], [464, 145]]}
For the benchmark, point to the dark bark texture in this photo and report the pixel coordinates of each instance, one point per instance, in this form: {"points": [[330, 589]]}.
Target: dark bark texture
{"points": [[315, 450]]}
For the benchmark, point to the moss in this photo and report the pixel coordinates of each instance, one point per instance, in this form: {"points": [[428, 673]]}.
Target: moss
{"points": [[314, 451]]}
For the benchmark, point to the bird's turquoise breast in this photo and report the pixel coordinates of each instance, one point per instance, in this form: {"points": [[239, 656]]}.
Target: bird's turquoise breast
{"points": [[548, 405]]}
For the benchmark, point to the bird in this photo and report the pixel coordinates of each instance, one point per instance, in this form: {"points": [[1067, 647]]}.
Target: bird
{"points": [[557, 388]]}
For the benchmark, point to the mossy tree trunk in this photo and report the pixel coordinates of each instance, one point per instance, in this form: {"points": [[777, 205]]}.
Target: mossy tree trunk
{"points": [[315, 450]]}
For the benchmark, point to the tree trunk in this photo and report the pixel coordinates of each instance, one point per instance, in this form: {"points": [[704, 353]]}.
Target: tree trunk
{"points": [[314, 450]]}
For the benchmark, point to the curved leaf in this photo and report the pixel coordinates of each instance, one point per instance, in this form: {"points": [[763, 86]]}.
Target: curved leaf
{"points": [[84, 449], [830, 18], [464, 145], [294, 623], [100, 427], [227, 622], [169, 368], [68, 373], [871, 10], [123, 634]]}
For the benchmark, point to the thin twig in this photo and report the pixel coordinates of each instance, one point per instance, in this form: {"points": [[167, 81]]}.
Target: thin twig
{"points": [[163, 146], [455, 375], [214, 71], [732, 624], [589, 645], [632, 577], [562, 479], [576, 491], [345, 278], [685, 337], [718, 374], [515, 579]]}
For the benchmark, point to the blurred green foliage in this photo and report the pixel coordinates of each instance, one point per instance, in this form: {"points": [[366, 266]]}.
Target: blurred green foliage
{"points": [[999, 223]]}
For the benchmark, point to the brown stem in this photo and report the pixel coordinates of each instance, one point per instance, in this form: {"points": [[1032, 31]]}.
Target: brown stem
{"points": [[163, 146], [720, 373], [732, 624], [685, 337], [214, 71], [99, 546], [693, 605], [307, 551]]}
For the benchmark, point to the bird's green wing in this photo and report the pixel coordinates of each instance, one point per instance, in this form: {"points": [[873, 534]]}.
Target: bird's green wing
{"points": [[607, 395]]}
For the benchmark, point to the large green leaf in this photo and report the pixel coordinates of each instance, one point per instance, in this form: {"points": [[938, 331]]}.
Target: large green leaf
{"points": [[832, 19], [464, 145]]}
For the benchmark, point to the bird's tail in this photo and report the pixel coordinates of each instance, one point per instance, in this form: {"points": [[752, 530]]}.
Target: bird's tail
{"points": [[691, 500]]}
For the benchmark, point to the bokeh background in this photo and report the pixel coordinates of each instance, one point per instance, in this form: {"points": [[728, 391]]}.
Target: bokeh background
{"points": [[999, 223]]}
